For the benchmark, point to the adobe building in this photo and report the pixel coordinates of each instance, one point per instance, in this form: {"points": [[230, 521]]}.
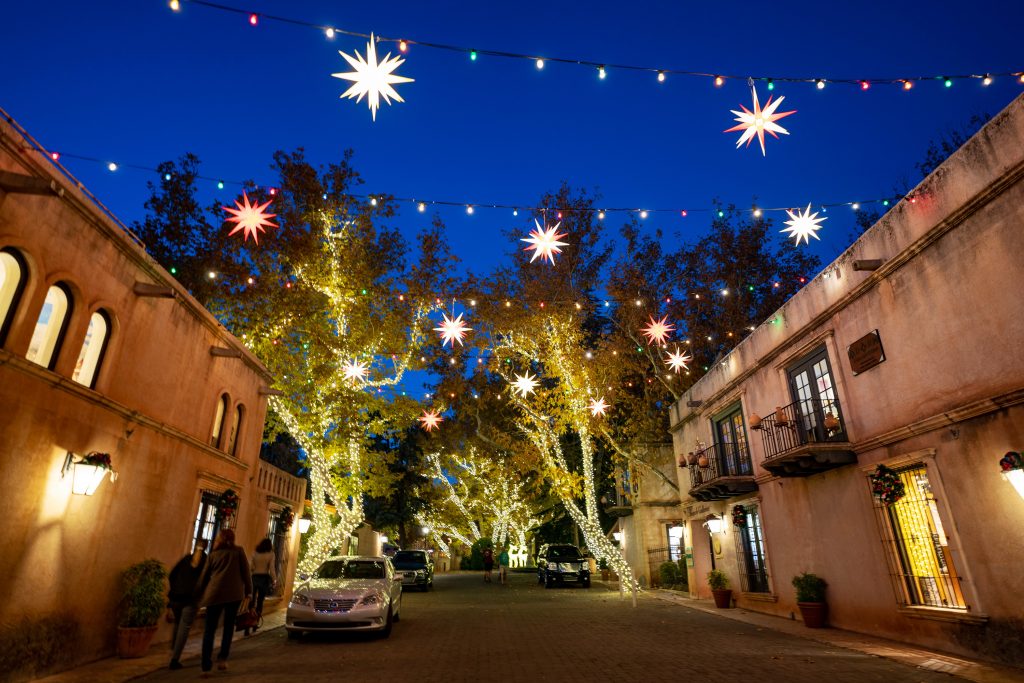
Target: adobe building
{"points": [[906, 352], [101, 350]]}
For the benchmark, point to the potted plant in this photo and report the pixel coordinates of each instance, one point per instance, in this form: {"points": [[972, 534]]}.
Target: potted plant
{"points": [[810, 598], [142, 605], [719, 583]]}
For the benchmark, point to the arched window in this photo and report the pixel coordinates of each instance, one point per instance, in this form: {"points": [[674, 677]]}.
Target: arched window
{"points": [[218, 420], [50, 327], [12, 282], [93, 348], [236, 425]]}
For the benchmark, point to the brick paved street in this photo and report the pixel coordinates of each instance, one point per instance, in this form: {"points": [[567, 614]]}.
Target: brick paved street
{"points": [[466, 630]]}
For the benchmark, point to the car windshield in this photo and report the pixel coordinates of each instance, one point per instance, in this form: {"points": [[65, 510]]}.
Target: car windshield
{"points": [[347, 569], [410, 556], [563, 552]]}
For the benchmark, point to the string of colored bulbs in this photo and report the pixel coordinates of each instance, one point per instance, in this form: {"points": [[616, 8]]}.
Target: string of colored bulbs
{"points": [[602, 68], [471, 207]]}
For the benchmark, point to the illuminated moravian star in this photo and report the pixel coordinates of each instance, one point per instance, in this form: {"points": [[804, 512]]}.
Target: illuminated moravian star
{"points": [[372, 79], [430, 420], [354, 370], [760, 121], [657, 330], [598, 407], [452, 330], [678, 360], [803, 225], [525, 384], [544, 242], [250, 218]]}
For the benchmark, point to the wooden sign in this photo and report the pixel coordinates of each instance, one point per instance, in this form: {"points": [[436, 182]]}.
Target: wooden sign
{"points": [[865, 353]]}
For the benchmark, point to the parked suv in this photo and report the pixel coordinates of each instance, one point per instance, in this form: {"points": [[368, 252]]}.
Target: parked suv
{"points": [[559, 563], [415, 567]]}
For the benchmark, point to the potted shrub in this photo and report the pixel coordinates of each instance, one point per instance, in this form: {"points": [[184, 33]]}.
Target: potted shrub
{"points": [[810, 598], [142, 605], [719, 584]]}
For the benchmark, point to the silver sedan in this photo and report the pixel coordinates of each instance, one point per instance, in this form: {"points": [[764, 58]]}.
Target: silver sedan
{"points": [[347, 594]]}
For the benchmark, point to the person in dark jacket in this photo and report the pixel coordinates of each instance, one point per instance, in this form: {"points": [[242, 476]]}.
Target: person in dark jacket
{"points": [[181, 597], [225, 582]]}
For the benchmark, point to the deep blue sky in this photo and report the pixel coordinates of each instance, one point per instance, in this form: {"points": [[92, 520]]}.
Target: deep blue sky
{"points": [[136, 83]]}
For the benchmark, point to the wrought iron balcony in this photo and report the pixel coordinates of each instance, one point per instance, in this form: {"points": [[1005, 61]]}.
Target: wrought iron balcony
{"points": [[804, 438], [727, 472], [617, 503]]}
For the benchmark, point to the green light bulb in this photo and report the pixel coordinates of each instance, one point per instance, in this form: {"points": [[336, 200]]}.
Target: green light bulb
{"points": [[220, 184], [472, 55]]}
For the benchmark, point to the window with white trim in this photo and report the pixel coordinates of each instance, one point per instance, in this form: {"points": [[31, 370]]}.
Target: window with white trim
{"points": [[51, 326], [12, 283], [218, 420], [93, 348]]}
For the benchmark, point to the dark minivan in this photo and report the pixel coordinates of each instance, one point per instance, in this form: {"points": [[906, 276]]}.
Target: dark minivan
{"points": [[558, 563], [415, 567]]}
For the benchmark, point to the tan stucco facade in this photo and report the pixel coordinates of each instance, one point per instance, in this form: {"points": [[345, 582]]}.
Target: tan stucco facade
{"points": [[948, 397], [152, 407]]}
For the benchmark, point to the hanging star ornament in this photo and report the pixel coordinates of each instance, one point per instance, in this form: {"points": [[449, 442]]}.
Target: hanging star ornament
{"points": [[525, 384], [803, 225], [430, 420], [250, 218], [544, 242], [759, 121], [657, 331], [372, 79], [598, 407], [678, 360], [452, 330], [354, 370]]}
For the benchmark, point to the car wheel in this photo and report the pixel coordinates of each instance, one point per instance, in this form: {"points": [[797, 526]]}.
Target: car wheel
{"points": [[586, 583], [386, 631], [294, 635]]}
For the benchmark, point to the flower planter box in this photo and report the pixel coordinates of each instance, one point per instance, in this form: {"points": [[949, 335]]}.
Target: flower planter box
{"points": [[723, 598], [133, 643], [815, 614]]}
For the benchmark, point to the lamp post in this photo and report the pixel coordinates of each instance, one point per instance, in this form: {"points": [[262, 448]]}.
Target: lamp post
{"points": [[304, 524]]}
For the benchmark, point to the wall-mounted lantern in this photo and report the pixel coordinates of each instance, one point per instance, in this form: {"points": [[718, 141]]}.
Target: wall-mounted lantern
{"points": [[304, 523], [617, 536], [1012, 465], [88, 472], [714, 524]]}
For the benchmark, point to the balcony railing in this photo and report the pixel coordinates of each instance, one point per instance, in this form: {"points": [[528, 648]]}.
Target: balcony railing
{"points": [[728, 472], [802, 423]]}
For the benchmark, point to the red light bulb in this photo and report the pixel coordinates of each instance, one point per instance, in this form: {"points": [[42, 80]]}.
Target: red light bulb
{"points": [[254, 19]]}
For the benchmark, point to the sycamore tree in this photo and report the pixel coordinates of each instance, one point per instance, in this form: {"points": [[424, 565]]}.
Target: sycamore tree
{"points": [[329, 302]]}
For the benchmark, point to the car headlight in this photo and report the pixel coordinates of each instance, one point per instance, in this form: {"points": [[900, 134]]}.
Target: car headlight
{"points": [[371, 599], [300, 599], [555, 567]]}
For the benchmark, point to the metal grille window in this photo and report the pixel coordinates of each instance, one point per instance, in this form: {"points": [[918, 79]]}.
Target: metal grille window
{"points": [[916, 545], [207, 521], [753, 572]]}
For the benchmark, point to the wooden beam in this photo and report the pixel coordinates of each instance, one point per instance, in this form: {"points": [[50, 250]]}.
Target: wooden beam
{"points": [[17, 183], [152, 290]]}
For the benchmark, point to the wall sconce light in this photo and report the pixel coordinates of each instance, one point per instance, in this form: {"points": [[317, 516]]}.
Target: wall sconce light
{"points": [[1012, 465], [87, 472], [714, 524], [617, 536], [304, 524]]}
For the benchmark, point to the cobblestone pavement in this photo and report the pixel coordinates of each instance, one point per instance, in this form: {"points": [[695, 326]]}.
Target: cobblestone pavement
{"points": [[466, 630]]}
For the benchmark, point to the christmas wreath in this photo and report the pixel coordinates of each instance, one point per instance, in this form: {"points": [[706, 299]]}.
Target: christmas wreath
{"points": [[286, 518], [739, 516], [1011, 461], [228, 504], [886, 485]]}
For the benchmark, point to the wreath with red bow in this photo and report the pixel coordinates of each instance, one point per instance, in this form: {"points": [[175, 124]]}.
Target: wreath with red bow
{"points": [[227, 505], [886, 485]]}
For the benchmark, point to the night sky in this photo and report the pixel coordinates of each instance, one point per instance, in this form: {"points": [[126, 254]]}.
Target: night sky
{"points": [[136, 83]]}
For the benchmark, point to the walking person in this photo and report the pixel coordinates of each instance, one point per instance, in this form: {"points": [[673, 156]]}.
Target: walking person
{"points": [[488, 564], [503, 566], [264, 574], [225, 582], [181, 598]]}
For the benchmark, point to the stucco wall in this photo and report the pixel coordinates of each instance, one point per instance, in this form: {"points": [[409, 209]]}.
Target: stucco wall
{"points": [[949, 313]]}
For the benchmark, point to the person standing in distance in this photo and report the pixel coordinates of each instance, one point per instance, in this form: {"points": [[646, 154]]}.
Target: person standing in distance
{"points": [[225, 582], [181, 598], [264, 575]]}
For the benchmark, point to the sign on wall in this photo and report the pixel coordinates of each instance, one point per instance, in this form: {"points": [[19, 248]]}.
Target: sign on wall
{"points": [[865, 353]]}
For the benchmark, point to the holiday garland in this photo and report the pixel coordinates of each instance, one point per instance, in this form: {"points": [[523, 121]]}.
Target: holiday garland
{"points": [[886, 485], [227, 505], [739, 516], [286, 518]]}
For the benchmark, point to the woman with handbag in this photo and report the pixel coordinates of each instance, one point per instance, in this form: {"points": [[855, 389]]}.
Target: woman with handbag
{"points": [[264, 575], [225, 582]]}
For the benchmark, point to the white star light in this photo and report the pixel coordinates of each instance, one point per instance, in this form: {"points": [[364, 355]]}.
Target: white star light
{"points": [[354, 370], [452, 330], [757, 122], [678, 360], [598, 407], [657, 330], [372, 79], [544, 242], [430, 420], [525, 384], [803, 225]]}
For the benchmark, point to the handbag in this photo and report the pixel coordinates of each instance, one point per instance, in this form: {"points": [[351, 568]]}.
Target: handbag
{"points": [[248, 618]]}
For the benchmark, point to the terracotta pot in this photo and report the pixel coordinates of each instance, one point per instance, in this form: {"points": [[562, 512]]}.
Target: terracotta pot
{"points": [[691, 459], [815, 614], [702, 461], [723, 598], [755, 421], [133, 642], [780, 416], [831, 422]]}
